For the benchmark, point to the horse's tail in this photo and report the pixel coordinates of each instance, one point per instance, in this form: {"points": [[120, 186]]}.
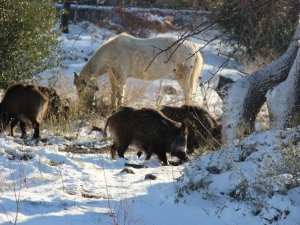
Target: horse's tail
{"points": [[196, 73]]}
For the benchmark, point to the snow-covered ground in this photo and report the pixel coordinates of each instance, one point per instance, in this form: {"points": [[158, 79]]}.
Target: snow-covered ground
{"points": [[250, 183]]}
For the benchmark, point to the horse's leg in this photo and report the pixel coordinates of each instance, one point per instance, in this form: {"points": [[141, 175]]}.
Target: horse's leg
{"points": [[195, 73], [117, 86], [113, 85], [182, 75], [120, 92]]}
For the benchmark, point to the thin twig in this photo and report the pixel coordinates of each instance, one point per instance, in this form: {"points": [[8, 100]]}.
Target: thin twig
{"points": [[112, 213]]}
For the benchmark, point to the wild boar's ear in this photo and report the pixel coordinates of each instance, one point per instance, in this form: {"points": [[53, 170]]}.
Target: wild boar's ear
{"points": [[217, 131], [183, 128]]}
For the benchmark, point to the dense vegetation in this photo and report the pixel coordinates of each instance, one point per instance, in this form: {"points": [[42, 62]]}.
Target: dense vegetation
{"points": [[264, 27], [27, 39]]}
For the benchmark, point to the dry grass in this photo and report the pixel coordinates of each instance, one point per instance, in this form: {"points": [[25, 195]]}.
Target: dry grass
{"points": [[136, 93], [291, 160], [252, 65]]}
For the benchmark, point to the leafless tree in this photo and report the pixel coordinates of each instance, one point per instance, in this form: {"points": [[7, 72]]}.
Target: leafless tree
{"points": [[243, 99]]}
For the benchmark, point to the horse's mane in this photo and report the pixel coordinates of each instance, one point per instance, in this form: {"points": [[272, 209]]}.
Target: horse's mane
{"points": [[121, 35], [108, 41], [105, 44]]}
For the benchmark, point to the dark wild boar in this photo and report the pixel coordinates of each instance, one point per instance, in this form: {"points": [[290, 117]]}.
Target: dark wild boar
{"points": [[23, 103], [56, 107], [203, 129], [148, 130]]}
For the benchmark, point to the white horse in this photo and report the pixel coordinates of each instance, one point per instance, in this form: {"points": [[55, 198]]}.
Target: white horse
{"points": [[125, 56]]}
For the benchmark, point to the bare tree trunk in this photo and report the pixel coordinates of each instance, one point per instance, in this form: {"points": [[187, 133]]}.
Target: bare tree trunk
{"points": [[245, 97], [284, 100], [64, 20]]}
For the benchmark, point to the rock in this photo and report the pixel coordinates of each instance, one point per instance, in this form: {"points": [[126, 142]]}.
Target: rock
{"points": [[150, 177], [127, 170]]}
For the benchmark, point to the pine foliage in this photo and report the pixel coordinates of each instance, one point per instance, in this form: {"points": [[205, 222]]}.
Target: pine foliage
{"points": [[27, 39]]}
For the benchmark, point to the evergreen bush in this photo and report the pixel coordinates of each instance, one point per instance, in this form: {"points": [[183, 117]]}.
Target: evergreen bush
{"points": [[27, 39]]}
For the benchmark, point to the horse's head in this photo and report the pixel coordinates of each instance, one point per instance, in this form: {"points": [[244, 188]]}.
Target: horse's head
{"points": [[85, 89]]}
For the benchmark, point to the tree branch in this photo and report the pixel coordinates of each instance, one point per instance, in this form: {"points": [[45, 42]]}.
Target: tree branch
{"points": [[247, 95]]}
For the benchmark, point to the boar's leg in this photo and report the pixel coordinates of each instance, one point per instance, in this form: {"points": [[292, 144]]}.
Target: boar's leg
{"points": [[36, 127], [181, 155], [23, 129], [139, 154], [148, 154], [121, 154], [191, 145], [12, 125], [120, 149], [113, 151], [148, 151], [162, 157]]}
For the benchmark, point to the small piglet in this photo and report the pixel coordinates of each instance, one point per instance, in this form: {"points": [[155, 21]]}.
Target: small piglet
{"points": [[22, 103], [149, 130]]}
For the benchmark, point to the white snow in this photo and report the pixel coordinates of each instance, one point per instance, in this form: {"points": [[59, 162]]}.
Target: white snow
{"points": [[244, 184]]}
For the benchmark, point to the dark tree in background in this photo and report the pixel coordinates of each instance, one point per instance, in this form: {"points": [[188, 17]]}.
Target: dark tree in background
{"points": [[27, 39], [264, 27], [64, 20]]}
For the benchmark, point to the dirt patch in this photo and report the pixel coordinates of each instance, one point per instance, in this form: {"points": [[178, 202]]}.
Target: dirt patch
{"points": [[20, 157], [88, 195], [79, 149]]}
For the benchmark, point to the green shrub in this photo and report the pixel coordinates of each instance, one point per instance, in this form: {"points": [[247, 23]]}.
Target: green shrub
{"points": [[27, 39]]}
